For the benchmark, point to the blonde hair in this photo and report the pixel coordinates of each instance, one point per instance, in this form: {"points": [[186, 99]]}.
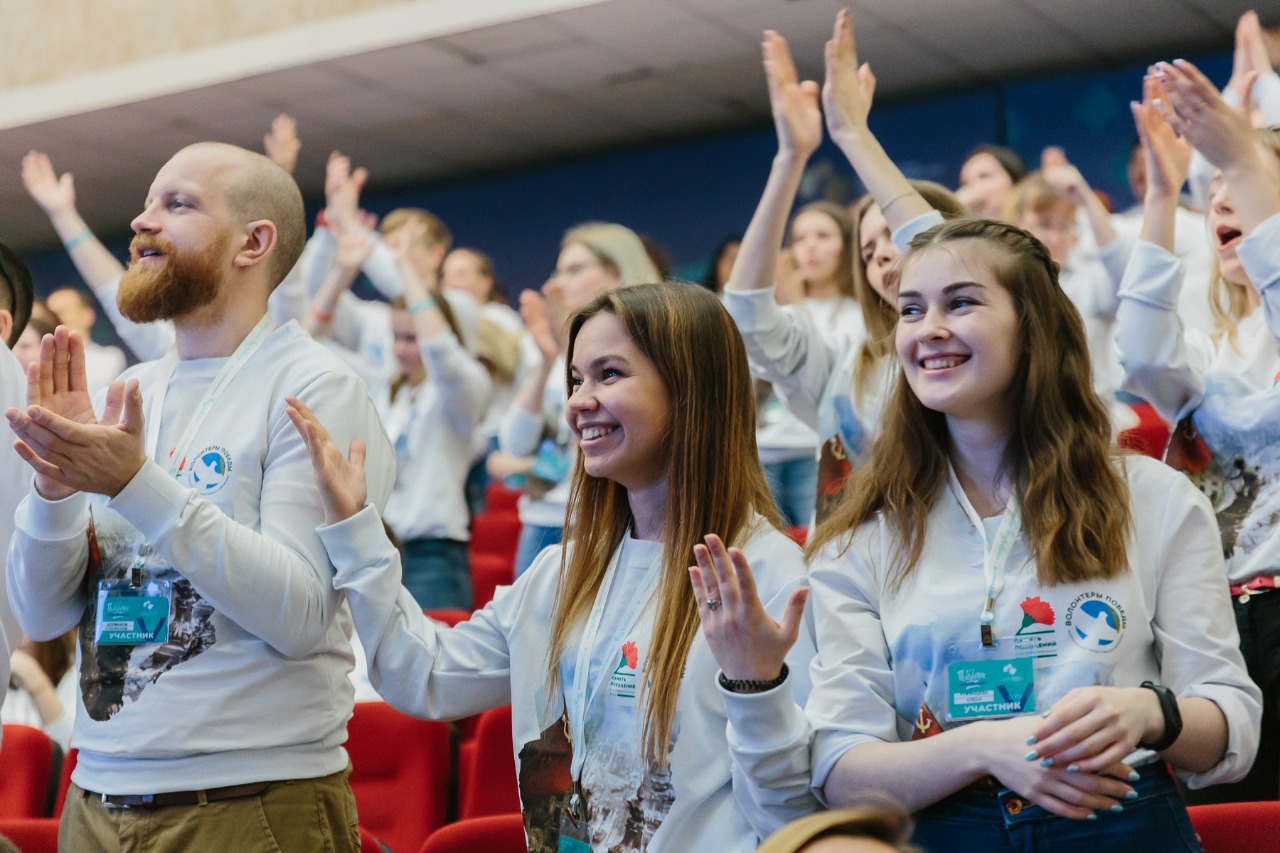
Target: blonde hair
{"points": [[1033, 194], [1229, 302], [618, 249], [714, 481], [1076, 511], [437, 234]]}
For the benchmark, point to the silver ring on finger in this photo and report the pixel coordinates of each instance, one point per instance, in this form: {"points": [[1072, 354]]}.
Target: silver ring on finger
{"points": [[713, 604]]}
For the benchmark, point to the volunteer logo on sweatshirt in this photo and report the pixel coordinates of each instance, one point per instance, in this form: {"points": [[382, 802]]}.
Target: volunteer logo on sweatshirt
{"points": [[1095, 621], [622, 682], [210, 470]]}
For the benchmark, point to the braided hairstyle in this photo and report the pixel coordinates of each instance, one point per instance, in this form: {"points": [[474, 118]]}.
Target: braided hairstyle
{"points": [[1075, 502]]}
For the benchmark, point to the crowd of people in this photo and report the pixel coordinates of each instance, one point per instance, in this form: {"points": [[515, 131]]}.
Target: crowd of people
{"points": [[1003, 624]]}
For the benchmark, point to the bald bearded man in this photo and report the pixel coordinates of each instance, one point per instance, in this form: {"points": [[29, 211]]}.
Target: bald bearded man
{"points": [[175, 525]]}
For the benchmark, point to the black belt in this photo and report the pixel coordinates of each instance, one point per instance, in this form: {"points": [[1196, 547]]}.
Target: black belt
{"points": [[180, 798]]}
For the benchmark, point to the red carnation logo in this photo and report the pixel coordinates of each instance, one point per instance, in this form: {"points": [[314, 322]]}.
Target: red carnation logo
{"points": [[1035, 611], [631, 654]]}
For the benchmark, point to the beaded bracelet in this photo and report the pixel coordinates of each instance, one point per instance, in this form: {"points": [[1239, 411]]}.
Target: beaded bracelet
{"points": [[77, 239], [745, 685]]}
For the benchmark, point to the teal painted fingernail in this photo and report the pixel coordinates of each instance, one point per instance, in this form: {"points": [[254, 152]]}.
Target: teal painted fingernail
{"points": [[1073, 768], [1134, 775], [1046, 762], [1117, 808], [1031, 741], [1132, 795], [1092, 816], [1032, 755]]}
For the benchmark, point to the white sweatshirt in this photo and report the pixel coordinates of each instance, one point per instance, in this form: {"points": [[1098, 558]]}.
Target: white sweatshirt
{"points": [[739, 764], [1225, 391], [431, 427], [883, 653], [255, 626]]}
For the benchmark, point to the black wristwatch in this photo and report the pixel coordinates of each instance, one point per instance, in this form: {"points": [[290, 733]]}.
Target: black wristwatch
{"points": [[1172, 717]]}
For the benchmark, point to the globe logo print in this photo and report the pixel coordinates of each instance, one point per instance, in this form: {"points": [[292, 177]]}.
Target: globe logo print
{"points": [[1097, 626], [209, 472]]}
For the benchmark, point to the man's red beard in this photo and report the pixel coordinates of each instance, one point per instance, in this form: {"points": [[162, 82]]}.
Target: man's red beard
{"points": [[177, 284]]}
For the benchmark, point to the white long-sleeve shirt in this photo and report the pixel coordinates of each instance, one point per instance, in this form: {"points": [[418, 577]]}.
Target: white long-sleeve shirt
{"points": [[252, 684], [20, 708], [739, 763], [432, 428], [1225, 391], [883, 653]]}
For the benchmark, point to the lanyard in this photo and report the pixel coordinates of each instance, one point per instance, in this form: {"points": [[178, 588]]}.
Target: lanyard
{"points": [[238, 359], [994, 560], [578, 699]]}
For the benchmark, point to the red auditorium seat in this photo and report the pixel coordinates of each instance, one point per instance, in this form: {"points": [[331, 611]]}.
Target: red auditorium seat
{"points": [[1232, 827], [400, 770], [32, 834], [448, 615], [495, 533], [369, 843], [26, 770], [498, 498], [64, 780], [487, 770], [497, 834], [488, 572]]}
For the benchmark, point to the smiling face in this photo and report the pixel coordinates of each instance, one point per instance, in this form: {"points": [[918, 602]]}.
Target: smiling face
{"points": [[816, 246], [987, 183], [184, 240], [619, 407], [958, 334]]}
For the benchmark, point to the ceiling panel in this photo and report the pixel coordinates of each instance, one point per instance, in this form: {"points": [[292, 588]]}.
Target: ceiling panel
{"points": [[518, 38], [1118, 31], [552, 121], [659, 34], [574, 66]]}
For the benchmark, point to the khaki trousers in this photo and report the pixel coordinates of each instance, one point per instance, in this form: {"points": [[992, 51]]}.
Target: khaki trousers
{"points": [[293, 816]]}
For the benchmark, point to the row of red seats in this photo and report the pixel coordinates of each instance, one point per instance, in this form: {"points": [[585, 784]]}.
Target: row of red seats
{"points": [[495, 534]]}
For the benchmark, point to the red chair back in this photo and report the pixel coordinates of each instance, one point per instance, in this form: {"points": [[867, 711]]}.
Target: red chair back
{"points": [[32, 834], [497, 834], [488, 572], [487, 770], [448, 615], [1232, 827], [400, 768], [26, 770], [498, 498], [495, 533]]}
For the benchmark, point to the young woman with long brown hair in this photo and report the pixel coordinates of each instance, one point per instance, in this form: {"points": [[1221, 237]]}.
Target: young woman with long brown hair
{"points": [[1017, 627], [623, 739]]}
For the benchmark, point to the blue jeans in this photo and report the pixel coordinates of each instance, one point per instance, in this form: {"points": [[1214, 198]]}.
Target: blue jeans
{"points": [[1001, 821], [794, 483], [532, 540], [438, 573]]}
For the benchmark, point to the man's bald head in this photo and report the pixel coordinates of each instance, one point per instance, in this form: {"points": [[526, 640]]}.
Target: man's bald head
{"points": [[256, 188]]}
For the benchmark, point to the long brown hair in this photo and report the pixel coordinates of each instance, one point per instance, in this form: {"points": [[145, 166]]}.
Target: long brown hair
{"points": [[714, 480], [848, 237], [880, 317], [1228, 301], [1076, 509]]}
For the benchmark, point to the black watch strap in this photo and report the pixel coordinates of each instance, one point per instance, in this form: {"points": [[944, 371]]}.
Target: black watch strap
{"points": [[1172, 717]]}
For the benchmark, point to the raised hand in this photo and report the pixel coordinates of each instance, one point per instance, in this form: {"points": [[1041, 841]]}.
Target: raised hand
{"points": [[1250, 58], [1062, 176], [55, 194], [1195, 109], [340, 480], [59, 436], [533, 311], [355, 243], [746, 641], [1167, 155], [796, 115], [342, 187], [282, 143], [849, 87]]}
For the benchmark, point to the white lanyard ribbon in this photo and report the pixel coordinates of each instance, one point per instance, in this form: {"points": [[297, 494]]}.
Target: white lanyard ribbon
{"points": [[238, 359], [578, 698], [994, 561]]}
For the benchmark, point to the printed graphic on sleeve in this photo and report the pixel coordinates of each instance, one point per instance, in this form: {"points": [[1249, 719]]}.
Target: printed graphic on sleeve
{"points": [[111, 674]]}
